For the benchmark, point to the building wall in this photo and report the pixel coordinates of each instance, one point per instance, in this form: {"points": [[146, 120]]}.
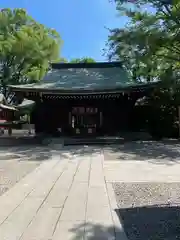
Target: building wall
{"points": [[112, 116]]}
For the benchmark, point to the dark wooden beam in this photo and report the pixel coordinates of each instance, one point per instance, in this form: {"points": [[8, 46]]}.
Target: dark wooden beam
{"points": [[86, 65]]}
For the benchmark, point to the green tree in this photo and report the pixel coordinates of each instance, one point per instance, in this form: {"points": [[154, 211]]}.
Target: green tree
{"points": [[149, 47], [60, 60], [83, 60], [26, 48], [150, 42]]}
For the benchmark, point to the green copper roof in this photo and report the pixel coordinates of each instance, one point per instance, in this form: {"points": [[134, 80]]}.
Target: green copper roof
{"points": [[82, 76]]}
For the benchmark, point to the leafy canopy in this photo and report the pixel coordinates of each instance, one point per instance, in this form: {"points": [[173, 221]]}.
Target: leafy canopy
{"points": [[83, 60], [149, 45], [26, 47]]}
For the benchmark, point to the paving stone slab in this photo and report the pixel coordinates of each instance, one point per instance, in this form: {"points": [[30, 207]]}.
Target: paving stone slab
{"points": [[139, 171], [43, 224], [118, 228], [60, 191], [99, 231], [56, 199], [15, 196], [97, 196], [44, 187], [17, 222], [78, 190], [101, 214], [72, 193], [70, 230], [74, 211], [82, 174]]}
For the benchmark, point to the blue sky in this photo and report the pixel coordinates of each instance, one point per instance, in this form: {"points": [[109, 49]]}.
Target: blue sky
{"points": [[81, 23]]}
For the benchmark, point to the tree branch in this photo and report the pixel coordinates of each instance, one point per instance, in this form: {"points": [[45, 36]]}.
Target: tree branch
{"points": [[168, 57], [170, 14]]}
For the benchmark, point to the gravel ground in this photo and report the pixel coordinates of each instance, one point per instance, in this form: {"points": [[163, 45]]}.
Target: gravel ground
{"points": [[16, 163], [149, 211]]}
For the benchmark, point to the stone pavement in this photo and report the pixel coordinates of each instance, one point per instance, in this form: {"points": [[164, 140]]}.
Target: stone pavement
{"points": [[70, 196], [151, 163], [139, 171], [66, 197]]}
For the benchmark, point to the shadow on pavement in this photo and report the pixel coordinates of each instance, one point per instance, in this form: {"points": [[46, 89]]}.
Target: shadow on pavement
{"points": [[156, 152], [164, 152], [93, 231], [151, 222], [25, 153], [41, 152]]}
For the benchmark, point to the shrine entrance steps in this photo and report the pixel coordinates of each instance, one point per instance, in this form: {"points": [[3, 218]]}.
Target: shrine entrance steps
{"points": [[102, 140], [93, 141]]}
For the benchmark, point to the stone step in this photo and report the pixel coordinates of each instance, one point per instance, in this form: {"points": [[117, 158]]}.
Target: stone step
{"points": [[92, 141]]}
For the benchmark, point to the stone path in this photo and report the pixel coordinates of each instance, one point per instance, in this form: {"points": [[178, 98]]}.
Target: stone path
{"points": [[139, 171], [136, 163], [70, 196], [66, 197]]}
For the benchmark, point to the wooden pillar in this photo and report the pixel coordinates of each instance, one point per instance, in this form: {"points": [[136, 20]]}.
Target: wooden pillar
{"points": [[9, 131], [38, 118], [101, 119], [179, 119]]}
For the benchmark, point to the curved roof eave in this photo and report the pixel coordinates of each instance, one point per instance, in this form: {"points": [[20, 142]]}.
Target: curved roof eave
{"points": [[136, 87]]}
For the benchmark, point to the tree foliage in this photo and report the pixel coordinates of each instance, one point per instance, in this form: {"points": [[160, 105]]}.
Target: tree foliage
{"points": [[149, 47], [26, 47], [83, 60], [60, 60]]}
